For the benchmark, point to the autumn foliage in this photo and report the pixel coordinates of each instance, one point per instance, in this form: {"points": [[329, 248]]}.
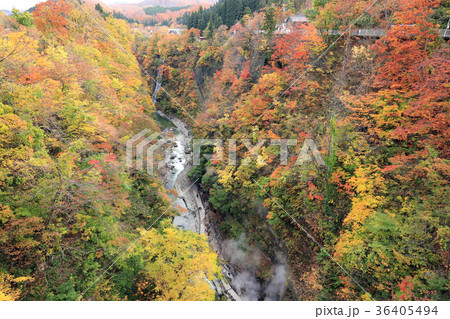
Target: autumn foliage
{"points": [[377, 109], [69, 100]]}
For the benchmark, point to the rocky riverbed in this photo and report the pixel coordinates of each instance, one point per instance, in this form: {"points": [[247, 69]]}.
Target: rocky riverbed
{"points": [[188, 200]]}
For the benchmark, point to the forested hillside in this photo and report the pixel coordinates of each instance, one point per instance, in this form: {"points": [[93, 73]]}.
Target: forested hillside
{"points": [[69, 100], [376, 108], [229, 12], [371, 224]]}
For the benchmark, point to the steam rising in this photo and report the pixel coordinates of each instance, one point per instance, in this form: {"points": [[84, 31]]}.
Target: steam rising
{"points": [[277, 285], [248, 259]]}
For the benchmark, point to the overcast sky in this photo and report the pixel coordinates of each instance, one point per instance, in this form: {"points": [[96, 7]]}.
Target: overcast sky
{"points": [[26, 4]]}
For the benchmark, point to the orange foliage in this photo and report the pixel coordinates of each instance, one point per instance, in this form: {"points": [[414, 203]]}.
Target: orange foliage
{"points": [[50, 17]]}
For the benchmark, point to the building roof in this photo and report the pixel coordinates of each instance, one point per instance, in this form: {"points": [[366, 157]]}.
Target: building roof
{"points": [[297, 18]]}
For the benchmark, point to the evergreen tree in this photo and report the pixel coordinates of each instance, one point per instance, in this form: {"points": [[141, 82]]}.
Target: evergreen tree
{"points": [[191, 38], [270, 23]]}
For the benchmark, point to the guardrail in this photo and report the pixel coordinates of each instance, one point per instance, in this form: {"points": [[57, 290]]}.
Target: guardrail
{"points": [[378, 33]]}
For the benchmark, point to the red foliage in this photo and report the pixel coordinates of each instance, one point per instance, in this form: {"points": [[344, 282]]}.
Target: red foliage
{"points": [[50, 17]]}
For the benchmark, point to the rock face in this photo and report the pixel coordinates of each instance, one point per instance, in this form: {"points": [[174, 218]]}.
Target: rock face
{"points": [[158, 84]]}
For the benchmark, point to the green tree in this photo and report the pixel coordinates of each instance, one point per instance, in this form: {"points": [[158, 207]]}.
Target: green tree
{"points": [[191, 38], [270, 23], [24, 18]]}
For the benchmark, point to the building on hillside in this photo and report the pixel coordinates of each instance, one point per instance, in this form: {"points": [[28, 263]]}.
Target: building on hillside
{"points": [[175, 31], [296, 21], [283, 28], [291, 23]]}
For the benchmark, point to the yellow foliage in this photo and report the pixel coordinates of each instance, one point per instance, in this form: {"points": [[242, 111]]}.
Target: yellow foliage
{"points": [[5, 213], [369, 185], [7, 291], [360, 53], [367, 181], [180, 264], [226, 177]]}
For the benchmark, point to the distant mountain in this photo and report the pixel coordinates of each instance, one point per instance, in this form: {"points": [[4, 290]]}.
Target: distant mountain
{"points": [[173, 3], [7, 12], [136, 10], [92, 3]]}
